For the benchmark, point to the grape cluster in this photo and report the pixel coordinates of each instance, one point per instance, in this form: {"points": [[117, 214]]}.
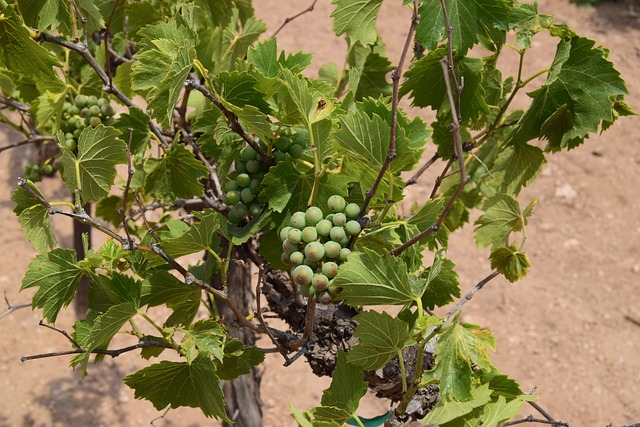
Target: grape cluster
{"points": [[82, 112], [35, 171], [294, 145], [315, 246]]}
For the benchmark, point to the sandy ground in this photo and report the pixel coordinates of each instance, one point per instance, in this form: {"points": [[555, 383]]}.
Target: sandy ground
{"points": [[564, 331]]}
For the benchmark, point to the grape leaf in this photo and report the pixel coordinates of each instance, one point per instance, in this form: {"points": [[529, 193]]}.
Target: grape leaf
{"points": [[340, 401], [240, 90], [192, 384], [449, 410], [502, 216], [381, 337], [528, 21], [357, 18], [459, 347], [303, 419], [20, 53], [304, 99], [93, 169], [425, 218], [517, 166], [107, 291], [177, 174], [199, 237], [576, 99], [56, 275], [510, 262], [369, 279], [204, 336], [264, 56], [34, 218], [166, 55], [497, 412], [426, 86], [441, 287], [160, 287], [238, 360], [469, 20], [48, 107], [137, 120]]}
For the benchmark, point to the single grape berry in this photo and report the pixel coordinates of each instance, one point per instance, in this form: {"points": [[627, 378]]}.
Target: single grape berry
{"points": [[289, 247], [81, 100], [70, 144], [237, 213], [94, 121], [352, 228], [255, 209], [279, 156], [339, 219], [302, 275], [282, 143], [313, 215], [47, 169], [231, 198], [248, 153], [85, 112], [320, 282], [246, 195], [298, 220], [284, 233], [95, 110], [296, 151], [324, 227], [337, 234], [309, 234], [325, 298], [252, 166], [92, 100], [332, 249], [344, 254], [296, 258], [243, 180], [330, 269], [307, 291], [314, 251], [107, 110], [231, 185], [295, 235], [352, 210], [336, 203], [241, 167]]}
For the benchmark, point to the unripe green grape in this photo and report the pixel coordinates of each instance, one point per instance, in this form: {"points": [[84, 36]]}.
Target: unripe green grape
{"points": [[231, 198], [314, 251], [325, 298], [241, 167], [72, 122], [255, 209], [295, 235], [320, 282], [301, 137], [253, 166], [352, 210], [80, 100], [284, 233], [279, 156], [352, 228], [27, 168], [101, 102], [285, 259], [337, 234], [336, 203], [330, 269], [231, 185], [309, 234], [302, 275], [36, 177], [282, 143], [47, 169], [339, 219], [332, 249], [254, 184], [85, 112], [237, 213], [289, 247], [324, 227], [313, 215], [344, 242], [70, 144], [80, 124], [247, 195], [298, 220], [344, 254], [95, 110], [66, 107], [243, 180], [35, 168], [76, 133], [296, 151], [68, 135], [296, 258], [94, 121], [248, 153], [107, 110], [92, 100]]}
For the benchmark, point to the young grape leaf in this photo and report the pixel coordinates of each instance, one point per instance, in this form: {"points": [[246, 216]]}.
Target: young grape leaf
{"points": [[240, 90], [199, 237], [501, 384], [469, 20], [304, 99], [517, 166], [93, 169], [192, 384], [107, 291], [137, 120], [528, 21], [161, 287], [459, 347], [369, 279], [441, 287], [502, 216], [56, 275], [34, 218], [577, 98], [48, 107], [449, 410], [204, 336], [357, 18], [499, 411], [381, 337], [238, 360], [166, 55], [177, 174], [264, 57], [20, 53], [510, 262], [425, 218], [340, 401]]}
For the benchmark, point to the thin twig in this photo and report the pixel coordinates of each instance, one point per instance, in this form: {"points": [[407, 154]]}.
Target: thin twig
{"points": [[144, 342], [282, 351], [291, 18], [144, 217], [31, 140], [131, 245], [532, 419], [470, 295], [450, 68], [107, 60], [546, 415], [83, 22], [440, 178], [423, 169], [11, 308], [15, 104], [62, 332]]}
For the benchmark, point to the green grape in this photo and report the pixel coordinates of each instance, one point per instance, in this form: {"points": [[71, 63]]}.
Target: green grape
{"points": [[94, 121], [295, 235], [66, 107], [85, 112], [231, 198], [253, 166], [284, 233], [36, 177], [296, 151], [248, 153], [231, 185], [247, 195], [70, 144], [337, 234], [313, 215], [237, 213], [325, 298], [68, 135], [80, 124], [298, 220], [332, 249], [339, 219], [279, 156], [243, 180], [254, 184], [289, 247], [309, 234], [76, 133], [296, 258], [336, 203], [302, 275], [314, 251], [241, 167], [344, 254], [330, 269], [47, 169], [324, 227], [255, 209], [72, 122], [285, 259], [301, 137], [74, 110], [81, 100], [107, 110], [102, 101], [282, 143], [95, 110], [92, 100], [352, 210], [353, 228], [27, 168], [320, 282]]}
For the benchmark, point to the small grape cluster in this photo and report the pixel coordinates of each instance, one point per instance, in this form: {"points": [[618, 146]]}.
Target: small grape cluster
{"points": [[315, 246], [294, 145], [35, 171], [84, 111]]}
